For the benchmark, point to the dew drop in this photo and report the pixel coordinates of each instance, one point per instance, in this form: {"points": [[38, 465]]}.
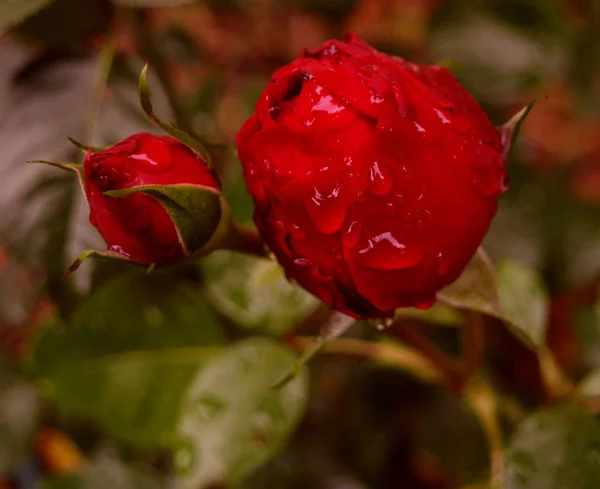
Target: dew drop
{"points": [[298, 233], [428, 215], [390, 209], [303, 262], [424, 304], [154, 155], [385, 252], [351, 236], [443, 264], [400, 197], [327, 211], [117, 249], [380, 180], [442, 117], [360, 198]]}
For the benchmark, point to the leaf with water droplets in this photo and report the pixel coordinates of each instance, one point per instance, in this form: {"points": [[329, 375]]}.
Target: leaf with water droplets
{"points": [[254, 292], [232, 420], [127, 355], [555, 449]]}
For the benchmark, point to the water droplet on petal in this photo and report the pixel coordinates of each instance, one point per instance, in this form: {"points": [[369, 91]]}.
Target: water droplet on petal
{"points": [[360, 198], [154, 155], [390, 209], [351, 236], [298, 233], [424, 304], [327, 211], [443, 264], [303, 262], [385, 252], [117, 249], [380, 180]]}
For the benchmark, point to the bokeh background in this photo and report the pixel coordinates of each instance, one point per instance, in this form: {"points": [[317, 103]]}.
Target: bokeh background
{"points": [[114, 379]]}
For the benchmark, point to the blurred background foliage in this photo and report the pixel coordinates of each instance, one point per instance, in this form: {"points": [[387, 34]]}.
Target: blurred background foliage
{"points": [[112, 378]]}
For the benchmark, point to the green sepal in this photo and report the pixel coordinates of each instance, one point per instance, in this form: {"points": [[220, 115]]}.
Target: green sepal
{"points": [[108, 255], [196, 211], [510, 130], [83, 147], [168, 127], [76, 168]]}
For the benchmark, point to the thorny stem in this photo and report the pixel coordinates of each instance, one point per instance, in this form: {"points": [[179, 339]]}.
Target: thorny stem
{"points": [[149, 50]]}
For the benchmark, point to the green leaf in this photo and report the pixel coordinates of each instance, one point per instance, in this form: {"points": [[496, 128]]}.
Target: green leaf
{"points": [[475, 289], [128, 354], [232, 420], [13, 12], [254, 292], [195, 210], [524, 300], [555, 449], [516, 296]]}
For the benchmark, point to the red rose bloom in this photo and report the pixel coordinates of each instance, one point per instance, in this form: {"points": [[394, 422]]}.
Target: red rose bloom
{"points": [[374, 179], [147, 169]]}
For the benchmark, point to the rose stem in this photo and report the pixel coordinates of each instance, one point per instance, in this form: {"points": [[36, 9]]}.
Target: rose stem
{"points": [[246, 239], [473, 344], [450, 367]]}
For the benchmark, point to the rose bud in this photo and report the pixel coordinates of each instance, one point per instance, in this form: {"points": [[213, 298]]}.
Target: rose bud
{"points": [[152, 199], [374, 179]]}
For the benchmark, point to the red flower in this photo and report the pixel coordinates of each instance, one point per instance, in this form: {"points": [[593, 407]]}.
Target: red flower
{"points": [[156, 188], [374, 179]]}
